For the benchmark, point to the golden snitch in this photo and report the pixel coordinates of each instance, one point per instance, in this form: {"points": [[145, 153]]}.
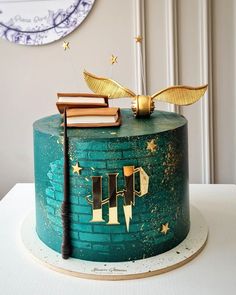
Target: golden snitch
{"points": [[143, 105]]}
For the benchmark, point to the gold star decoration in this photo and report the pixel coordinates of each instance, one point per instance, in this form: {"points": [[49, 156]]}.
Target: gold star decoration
{"points": [[165, 228], [138, 39], [66, 45], [151, 146], [76, 168], [114, 59]]}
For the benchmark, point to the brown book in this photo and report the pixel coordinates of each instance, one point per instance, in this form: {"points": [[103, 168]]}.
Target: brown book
{"points": [[80, 100], [93, 117]]}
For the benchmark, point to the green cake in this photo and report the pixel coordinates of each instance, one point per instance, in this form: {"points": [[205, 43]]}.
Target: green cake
{"points": [[129, 195]]}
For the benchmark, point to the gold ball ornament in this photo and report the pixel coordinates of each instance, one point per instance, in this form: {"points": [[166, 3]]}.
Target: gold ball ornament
{"points": [[142, 106]]}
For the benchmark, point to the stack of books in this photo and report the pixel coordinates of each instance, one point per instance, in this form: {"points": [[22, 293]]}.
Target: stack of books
{"points": [[87, 110]]}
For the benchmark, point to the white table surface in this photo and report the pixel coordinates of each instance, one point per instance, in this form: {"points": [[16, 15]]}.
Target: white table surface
{"points": [[212, 272]]}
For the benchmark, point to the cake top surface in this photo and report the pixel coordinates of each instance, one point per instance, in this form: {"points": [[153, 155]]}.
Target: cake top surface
{"points": [[159, 121]]}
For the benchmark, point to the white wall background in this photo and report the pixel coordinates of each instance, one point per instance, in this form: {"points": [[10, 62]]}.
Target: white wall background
{"points": [[185, 42]]}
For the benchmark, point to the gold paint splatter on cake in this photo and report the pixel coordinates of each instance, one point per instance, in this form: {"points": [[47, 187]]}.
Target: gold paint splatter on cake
{"points": [[76, 168], [151, 146], [172, 158], [165, 228], [113, 59], [66, 45]]}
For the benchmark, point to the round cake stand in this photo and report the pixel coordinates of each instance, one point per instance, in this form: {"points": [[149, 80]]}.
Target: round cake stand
{"points": [[188, 249]]}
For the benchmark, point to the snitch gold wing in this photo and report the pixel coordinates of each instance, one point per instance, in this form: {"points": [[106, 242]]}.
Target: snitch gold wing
{"points": [[180, 95], [105, 86]]}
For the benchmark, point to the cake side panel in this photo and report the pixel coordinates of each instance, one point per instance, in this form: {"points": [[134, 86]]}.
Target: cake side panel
{"points": [[48, 211], [162, 156]]}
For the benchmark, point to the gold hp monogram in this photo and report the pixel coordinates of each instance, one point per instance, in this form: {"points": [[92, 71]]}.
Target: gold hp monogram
{"points": [[128, 194]]}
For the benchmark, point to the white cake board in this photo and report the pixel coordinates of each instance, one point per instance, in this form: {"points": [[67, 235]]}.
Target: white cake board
{"points": [[176, 257]]}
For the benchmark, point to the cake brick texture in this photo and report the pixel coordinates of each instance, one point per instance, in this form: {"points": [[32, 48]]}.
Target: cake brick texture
{"points": [[107, 150]]}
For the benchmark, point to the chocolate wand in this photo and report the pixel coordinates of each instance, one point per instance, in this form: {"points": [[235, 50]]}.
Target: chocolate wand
{"points": [[65, 208]]}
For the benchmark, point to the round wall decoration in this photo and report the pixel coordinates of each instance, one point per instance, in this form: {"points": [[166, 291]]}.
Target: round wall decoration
{"points": [[38, 22]]}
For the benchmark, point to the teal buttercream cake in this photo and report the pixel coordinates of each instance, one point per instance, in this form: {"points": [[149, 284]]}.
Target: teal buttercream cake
{"points": [[154, 221]]}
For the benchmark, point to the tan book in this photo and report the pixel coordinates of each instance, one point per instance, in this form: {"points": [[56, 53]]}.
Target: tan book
{"points": [[80, 100], [93, 117]]}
